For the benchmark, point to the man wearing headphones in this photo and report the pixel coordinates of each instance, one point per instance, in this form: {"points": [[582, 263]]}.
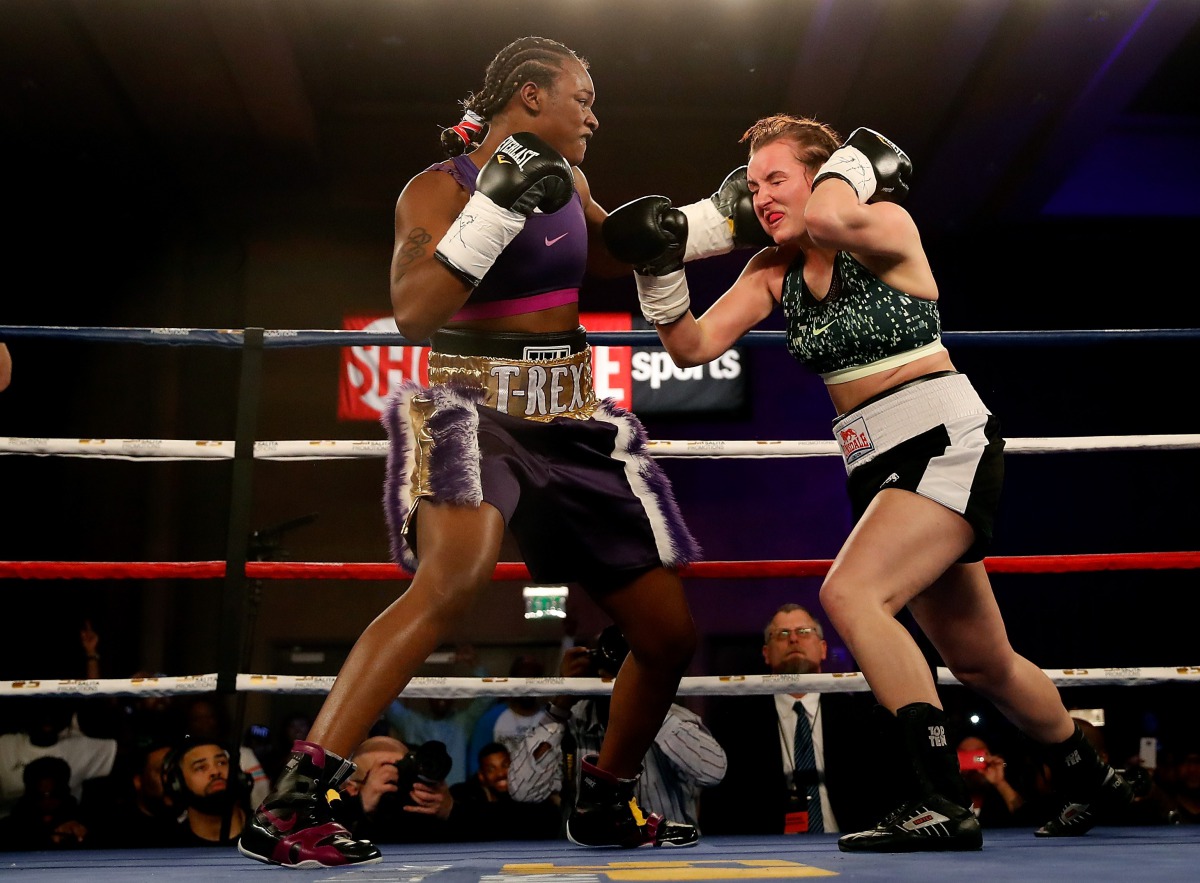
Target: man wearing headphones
{"points": [[197, 777]]}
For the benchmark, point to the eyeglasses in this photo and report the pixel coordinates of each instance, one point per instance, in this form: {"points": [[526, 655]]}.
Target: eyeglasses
{"points": [[784, 634]]}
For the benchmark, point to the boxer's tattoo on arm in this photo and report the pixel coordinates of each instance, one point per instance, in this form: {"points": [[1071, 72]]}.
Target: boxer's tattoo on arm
{"points": [[412, 249]]}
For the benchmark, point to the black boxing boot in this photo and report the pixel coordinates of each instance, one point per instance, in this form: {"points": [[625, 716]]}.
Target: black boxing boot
{"points": [[936, 816], [607, 814], [1093, 790], [295, 826]]}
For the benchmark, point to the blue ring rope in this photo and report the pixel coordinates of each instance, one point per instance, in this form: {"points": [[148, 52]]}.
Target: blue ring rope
{"points": [[303, 338]]}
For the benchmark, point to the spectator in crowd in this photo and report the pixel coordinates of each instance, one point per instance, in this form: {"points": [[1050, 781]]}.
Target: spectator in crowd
{"points": [[132, 721], [487, 807], [398, 794], [212, 795], [835, 786], [45, 731], [46, 816], [994, 800], [683, 759], [444, 720], [140, 815], [507, 721], [272, 745], [206, 717], [1185, 792], [90, 641], [295, 728]]}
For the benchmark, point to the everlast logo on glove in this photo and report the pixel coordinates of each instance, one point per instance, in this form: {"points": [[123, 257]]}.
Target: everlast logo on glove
{"points": [[511, 148]]}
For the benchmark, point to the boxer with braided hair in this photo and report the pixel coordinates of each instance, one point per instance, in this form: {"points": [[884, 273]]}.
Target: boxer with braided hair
{"points": [[529, 59], [922, 452], [490, 250]]}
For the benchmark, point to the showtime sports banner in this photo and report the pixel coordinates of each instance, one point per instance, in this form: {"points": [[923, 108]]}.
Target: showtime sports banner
{"points": [[641, 378]]}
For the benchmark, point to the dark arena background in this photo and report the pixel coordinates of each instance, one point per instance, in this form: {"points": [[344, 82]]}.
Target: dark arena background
{"points": [[200, 167]]}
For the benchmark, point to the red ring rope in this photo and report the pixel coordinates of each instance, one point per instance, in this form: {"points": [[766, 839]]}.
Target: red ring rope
{"points": [[517, 571]]}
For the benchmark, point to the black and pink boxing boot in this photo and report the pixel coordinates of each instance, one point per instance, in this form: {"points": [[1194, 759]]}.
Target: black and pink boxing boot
{"points": [[295, 826], [607, 814]]}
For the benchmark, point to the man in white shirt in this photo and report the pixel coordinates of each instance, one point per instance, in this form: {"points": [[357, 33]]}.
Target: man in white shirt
{"points": [[683, 759], [47, 732]]}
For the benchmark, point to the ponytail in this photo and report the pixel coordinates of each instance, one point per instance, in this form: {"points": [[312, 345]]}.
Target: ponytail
{"points": [[469, 131]]}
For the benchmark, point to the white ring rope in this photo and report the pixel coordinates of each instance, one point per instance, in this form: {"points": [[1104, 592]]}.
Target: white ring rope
{"points": [[346, 449], [465, 688]]}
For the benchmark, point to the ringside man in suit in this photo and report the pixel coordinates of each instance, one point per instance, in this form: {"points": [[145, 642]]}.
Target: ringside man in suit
{"points": [[763, 792]]}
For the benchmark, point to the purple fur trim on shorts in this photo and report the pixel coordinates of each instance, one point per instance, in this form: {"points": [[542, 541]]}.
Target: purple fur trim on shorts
{"points": [[454, 464], [684, 547], [396, 499], [454, 460]]}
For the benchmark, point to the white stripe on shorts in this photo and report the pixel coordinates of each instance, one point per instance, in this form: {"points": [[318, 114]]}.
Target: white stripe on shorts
{"points": [[949, 476]]}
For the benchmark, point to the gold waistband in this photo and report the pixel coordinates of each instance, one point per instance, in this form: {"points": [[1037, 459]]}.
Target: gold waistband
{"points": [[539, 389]]}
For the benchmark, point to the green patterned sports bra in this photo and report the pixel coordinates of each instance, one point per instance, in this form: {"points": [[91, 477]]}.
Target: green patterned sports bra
{"points": [[861, 327]]}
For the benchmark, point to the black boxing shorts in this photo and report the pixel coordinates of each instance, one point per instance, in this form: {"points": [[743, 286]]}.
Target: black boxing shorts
{"points": [[569, 473], [933, 437]]}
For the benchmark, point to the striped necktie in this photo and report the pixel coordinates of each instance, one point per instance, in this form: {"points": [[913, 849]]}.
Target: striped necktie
{"points": [[806, 769]]}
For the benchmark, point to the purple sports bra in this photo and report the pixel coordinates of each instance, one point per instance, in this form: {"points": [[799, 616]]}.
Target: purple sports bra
{"points": [[540, 269]]}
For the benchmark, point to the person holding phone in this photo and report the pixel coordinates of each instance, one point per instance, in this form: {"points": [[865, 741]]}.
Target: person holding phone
{"points": [[994, 800]]}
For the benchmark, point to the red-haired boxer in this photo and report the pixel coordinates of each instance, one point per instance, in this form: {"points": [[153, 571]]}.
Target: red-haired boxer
{"points": [[923, 455]]}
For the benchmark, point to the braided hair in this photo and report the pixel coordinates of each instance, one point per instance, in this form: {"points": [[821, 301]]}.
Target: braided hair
{"points": [[529, 59]]}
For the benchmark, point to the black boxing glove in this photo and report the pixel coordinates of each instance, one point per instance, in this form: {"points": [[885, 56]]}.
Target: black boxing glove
{"points": [[877, 169], [524, 175], [725, 220], [652, 235], [649, 233]]}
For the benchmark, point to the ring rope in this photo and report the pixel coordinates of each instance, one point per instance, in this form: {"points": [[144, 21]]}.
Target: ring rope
{"points": [[137, 449], [274, 338], [462, 688], [1086, 563], [141, 449]]}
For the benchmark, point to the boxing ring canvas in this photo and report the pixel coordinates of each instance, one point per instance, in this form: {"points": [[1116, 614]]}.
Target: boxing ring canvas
{"points": [[1119, 855]]}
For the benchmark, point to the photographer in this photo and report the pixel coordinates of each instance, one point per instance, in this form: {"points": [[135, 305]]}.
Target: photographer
{"points": [[399, 794], [683, 758]]}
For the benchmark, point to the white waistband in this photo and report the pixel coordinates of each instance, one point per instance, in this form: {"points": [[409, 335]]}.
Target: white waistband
{"points": [[847, 374], [880, 425]]}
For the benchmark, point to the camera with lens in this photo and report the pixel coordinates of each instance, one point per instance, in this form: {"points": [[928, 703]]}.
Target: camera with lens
{"points": [[428, 763], [1139, 779], [610, 650]]}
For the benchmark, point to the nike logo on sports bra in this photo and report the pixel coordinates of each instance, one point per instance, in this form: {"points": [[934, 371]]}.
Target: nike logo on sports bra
{"points": [[824, 328], [550, 242]]}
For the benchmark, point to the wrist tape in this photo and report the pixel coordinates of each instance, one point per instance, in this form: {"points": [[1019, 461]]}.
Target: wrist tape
{"points": [[478, 235], [852, 166], [663, 298], [709, 232]]}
